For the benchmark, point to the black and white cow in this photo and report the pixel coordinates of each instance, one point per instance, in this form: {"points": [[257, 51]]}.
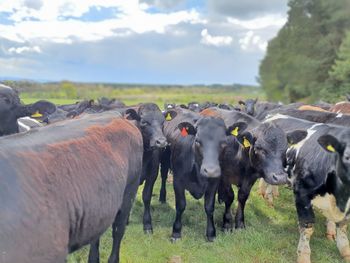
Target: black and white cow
{"points": [[319, 178], [259, 152]]}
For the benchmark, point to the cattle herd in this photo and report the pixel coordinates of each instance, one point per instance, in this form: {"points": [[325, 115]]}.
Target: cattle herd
{"points": [[68, 172]]}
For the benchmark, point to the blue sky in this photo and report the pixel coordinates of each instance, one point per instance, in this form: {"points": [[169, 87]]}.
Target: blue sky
{"points": [[138, 41]]}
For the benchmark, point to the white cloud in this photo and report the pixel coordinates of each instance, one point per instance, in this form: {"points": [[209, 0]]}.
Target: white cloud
{"points": [[260, 22], [20, 50], [217, 41], [49, 26], [252, 42]]}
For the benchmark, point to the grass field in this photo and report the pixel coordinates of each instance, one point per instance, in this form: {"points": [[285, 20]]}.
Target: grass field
{"points": [[133, 96], [271, 234]]}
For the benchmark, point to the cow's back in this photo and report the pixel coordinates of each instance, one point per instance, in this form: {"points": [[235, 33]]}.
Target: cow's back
{"points": [[64, 185]]}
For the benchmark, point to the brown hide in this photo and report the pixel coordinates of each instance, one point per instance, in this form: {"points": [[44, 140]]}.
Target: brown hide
{"points": [[341, 107], [212, 112], [309, 107], [65, 190]]}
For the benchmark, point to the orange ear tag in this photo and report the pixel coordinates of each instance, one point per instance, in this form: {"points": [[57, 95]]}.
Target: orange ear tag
{"points": [[184, 132]]}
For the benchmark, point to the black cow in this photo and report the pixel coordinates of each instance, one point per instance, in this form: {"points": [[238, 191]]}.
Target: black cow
{"points": [[318, 178], [150, 121], [314, 116], [65, 184], [259, 152], [347, 97], [196, 146], [11, 109], [248, 106]]}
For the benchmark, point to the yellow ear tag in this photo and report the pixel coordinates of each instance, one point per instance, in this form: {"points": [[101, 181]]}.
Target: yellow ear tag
{"points": [[330, 148], [235, 132], [246, 143], [37, 114], [168, 117]]}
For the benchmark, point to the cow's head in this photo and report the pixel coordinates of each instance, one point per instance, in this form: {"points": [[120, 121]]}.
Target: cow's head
{"points": [[150, 120], [249, 106], [11, 109], [340, 146], [209, 140], [267, 146]]}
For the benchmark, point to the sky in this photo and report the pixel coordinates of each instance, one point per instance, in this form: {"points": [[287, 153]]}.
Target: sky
{"points": [[138, 41]]}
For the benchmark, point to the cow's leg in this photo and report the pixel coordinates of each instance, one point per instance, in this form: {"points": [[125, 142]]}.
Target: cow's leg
{"points": [[306, 220], [151, 177], [180, 201], [226, 195], [209, 205], [243, 194], [275, 191], [121, 219], [94, 254], [331, 231], [164, 169], [262, 187], [304, 251], [343, 241], [269, 194]]}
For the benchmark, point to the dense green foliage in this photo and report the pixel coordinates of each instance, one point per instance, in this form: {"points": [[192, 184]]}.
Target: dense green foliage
{"points": [[309, 58]]}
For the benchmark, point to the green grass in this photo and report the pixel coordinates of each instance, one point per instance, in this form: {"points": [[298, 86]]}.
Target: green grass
{"points": [[132, 96], [271, 234]]}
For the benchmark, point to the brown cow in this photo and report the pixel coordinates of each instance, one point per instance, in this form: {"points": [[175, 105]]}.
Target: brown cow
{"points": [[341, 107], [310, 107], [63, 185]]}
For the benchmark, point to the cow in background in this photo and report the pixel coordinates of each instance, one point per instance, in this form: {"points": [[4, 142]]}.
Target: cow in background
{"points": [[11, 109]]}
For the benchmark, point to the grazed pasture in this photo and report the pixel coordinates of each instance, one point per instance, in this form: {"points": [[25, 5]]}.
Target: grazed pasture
{"points": [[271, 234]]}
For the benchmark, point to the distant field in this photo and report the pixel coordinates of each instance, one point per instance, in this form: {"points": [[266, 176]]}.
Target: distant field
{"points": [[157, 95]]}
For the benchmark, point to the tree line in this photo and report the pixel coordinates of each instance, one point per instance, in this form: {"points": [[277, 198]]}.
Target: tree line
{"points": [[309, 59]]}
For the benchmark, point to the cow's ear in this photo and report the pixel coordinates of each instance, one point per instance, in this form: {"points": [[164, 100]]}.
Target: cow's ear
{"points": [[246, 139], [186, 129], [183, 106], [236, 128], [296, 136], [40, 108], [131, 114], [169, 115], [241, 102], [330, 143]]}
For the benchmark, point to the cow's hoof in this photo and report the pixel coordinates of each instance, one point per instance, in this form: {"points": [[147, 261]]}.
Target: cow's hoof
{"points": [[227, 230], [211, 239], [174, 239], [162, 201], [148, 231], [331, 236], [345, 253], [304, 258]]}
